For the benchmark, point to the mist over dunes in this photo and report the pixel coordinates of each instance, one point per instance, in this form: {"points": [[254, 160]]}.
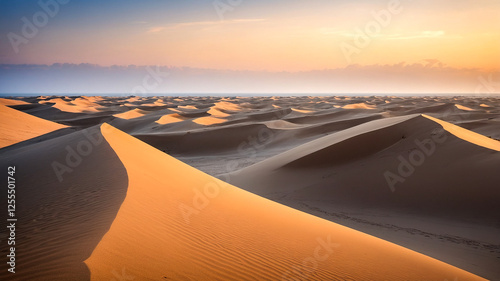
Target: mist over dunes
{"points": [[404, 78]]}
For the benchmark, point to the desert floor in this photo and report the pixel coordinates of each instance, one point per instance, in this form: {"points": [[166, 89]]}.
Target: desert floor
{"points": [[252, 188]]}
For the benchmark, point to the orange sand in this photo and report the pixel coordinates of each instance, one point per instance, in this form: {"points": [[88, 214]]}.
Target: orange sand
{"points": [[18, 126], [233, 234]]}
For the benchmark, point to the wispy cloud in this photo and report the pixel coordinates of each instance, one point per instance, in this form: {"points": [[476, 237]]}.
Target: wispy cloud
{"points": [[397, 36], [422, 34], [156, 29]]}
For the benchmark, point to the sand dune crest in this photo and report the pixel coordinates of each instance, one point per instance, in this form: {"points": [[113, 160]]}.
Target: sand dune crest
{"points": [[181, 224], [467, 135], [17, 126]]}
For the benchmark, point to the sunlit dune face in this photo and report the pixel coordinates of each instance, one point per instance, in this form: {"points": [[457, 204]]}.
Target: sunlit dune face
{"points": [[209, 243], [18, 126], [358, 106], [11, 102], [207, 121], [461, 107], [170, 118], [131, 114], [467, 135]]}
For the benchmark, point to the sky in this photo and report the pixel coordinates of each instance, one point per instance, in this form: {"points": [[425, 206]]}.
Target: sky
{"points": [[268, 46]]}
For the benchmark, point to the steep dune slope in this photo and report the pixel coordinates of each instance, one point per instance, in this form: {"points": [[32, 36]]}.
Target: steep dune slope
{"points": [[405, 162], [17, 126], [68, 190], [181, 224]]}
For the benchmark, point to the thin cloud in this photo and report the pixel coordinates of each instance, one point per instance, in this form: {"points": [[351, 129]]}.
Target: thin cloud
{"points": [[202, 24], [156, 29], [423, 34]]}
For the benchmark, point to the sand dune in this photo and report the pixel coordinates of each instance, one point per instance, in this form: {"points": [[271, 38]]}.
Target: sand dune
{"points": [[208, 120], [282, 125], [131, 114], [62, 215], [397, 168], [405, 171], [341, 150], [187, 107], [154, 223], [133, 99], [8, 102], [467, 135], [17, 126], [78, 105], [461, 107], [224, 105], [358, 106], [301, 110], [170, 118], [214, 111]]}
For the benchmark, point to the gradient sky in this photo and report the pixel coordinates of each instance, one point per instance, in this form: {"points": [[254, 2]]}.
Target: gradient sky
{"points": [[260, 35]]}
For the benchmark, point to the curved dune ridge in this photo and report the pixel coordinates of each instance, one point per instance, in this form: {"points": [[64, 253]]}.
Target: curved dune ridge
{"points": [[177, 223], [17, 126], [224, 105], [358, 106], [467, 135], [282, 125], [209, 120], [12, 102], [328, 169], [302, 110], [461, 107], [187, 107], [131, 114], [171, 118], [78, 105], [157, 102], [214, 111]]}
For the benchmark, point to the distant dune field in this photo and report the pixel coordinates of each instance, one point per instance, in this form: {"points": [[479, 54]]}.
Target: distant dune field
{"points": [[253, 188]]}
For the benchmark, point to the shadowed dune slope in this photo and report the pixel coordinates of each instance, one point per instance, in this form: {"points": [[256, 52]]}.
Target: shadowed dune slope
{"points": [[18, 126], [405, 162], [61, 216], [178, 223]]}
